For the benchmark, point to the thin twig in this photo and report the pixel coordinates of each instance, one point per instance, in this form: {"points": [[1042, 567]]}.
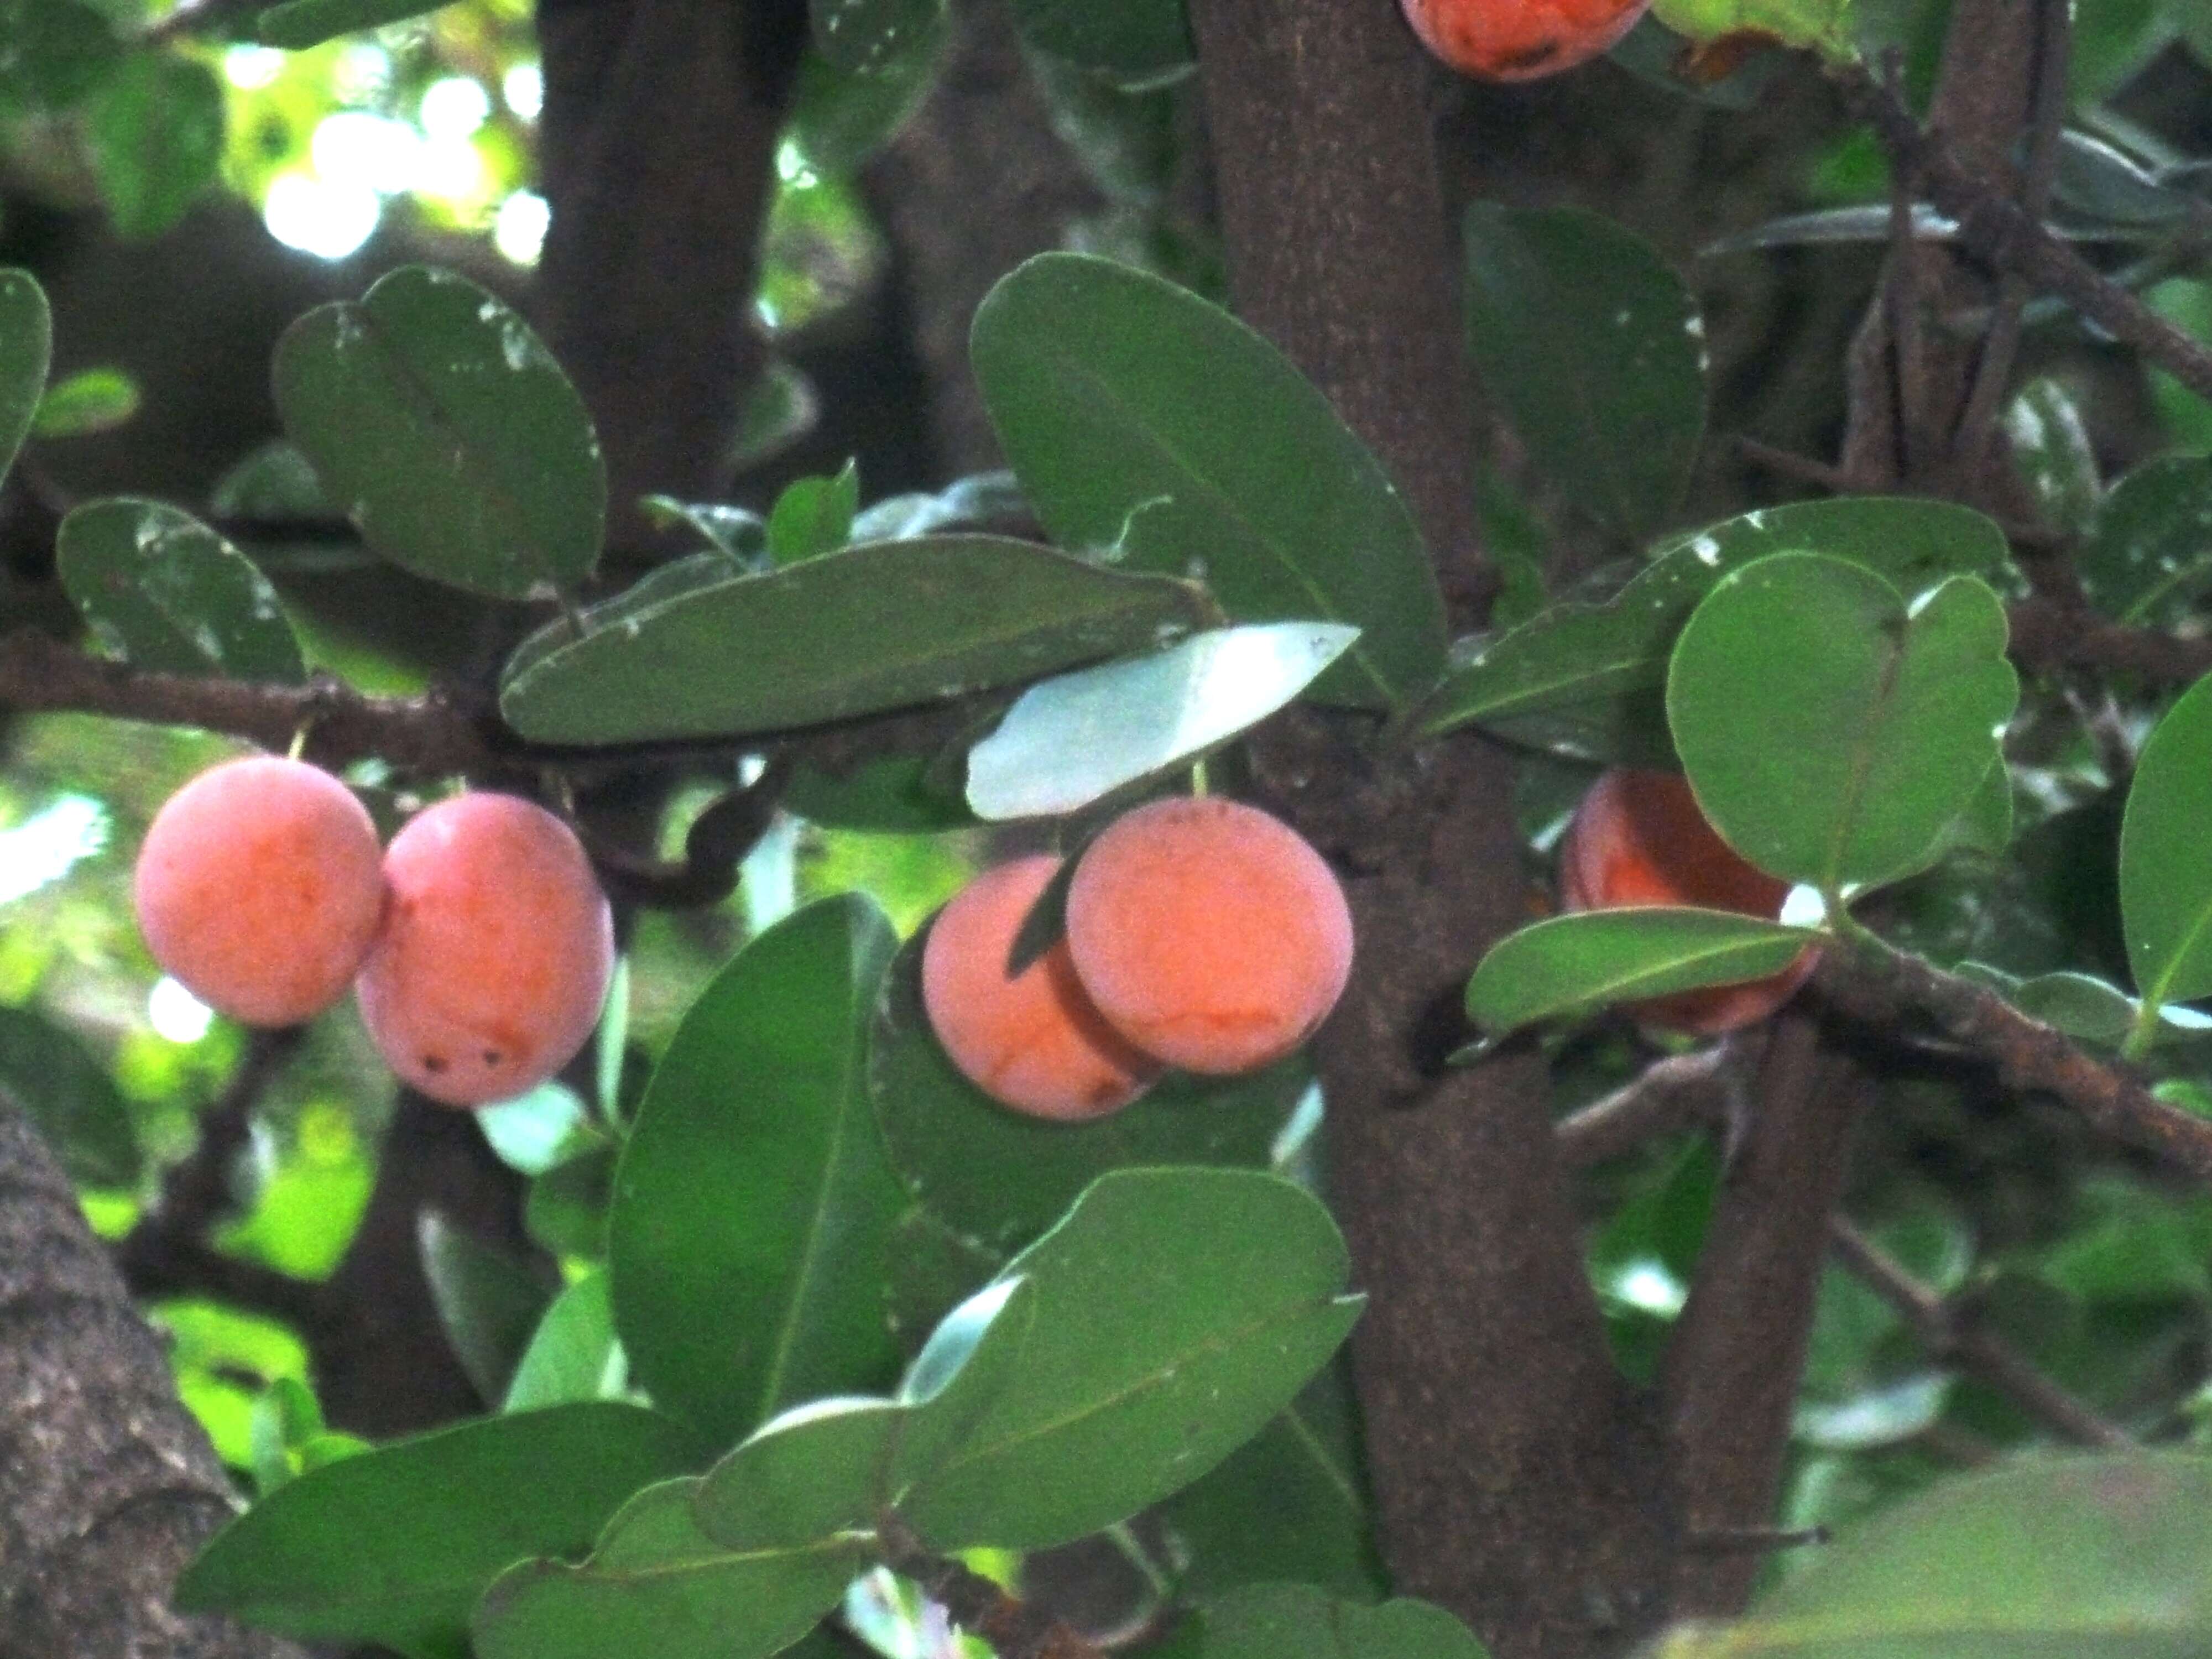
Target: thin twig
{"points": [[1950, 1334], [1996, 229], [1682, 1091]]}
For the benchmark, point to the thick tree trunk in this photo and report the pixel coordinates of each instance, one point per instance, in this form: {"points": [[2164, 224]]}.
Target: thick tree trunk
{"points": [[107, 1485], [1515, 1477]]}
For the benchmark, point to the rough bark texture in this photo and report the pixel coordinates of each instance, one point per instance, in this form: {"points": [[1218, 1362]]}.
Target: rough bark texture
{"points": [[657, 153], [107, 1485], [1515, 1480]]}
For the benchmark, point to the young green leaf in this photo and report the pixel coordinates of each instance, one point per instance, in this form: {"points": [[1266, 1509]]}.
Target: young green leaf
{"points": [[1177, 1310], [814, 516], [874, 627], [573, 1355], [2095, 1558], [298, 24], [1300, 1621], [658, 1585], [394, 1545], [164, 592], [1595, 348], [440, 421], [26, 344], [92, 400], [1834, 735], [753, 1208], [2166, 879], [1001, 1178], [155, 127], [1068, 741], [1143, 420], [1569, 965]]}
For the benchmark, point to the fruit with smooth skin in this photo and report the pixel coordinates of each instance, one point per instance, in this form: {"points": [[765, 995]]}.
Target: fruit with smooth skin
{"points": [[1209, 934], [1034, 1042], [1639, 837], [1520, 39], [259, 888], [493, 959]]}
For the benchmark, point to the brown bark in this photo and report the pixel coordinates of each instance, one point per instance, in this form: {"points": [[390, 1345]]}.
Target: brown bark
{"points": [[1512, 1474], [107, 1485]]}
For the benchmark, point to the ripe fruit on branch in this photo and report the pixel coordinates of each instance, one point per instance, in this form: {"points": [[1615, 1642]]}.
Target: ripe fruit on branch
{"points": [[496, 951], [1638, 838], [259, 888], [1209, 933], [1520, 39], [1034, 1042]]}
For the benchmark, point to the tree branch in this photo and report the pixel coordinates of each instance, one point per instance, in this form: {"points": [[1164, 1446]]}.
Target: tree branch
{"points": [[1949, 1332], [1730, 1374], [1996, 228], [1682, 1091], [1875, 982], [2050, 637]]}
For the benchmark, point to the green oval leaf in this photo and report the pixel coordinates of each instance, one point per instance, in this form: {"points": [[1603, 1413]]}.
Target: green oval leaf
{"points": [[1589, 679], [658, 1585], [395, 1544], [814, 516], [1568, 964], [1134, 43], [1068, 741], [155, 127], [753, 1206], [2105, 1558], [2146, 558], [450, 435], [1176, 1311], [1140, 418], [573, 1355], [999, 1178], [488, 1299], [89, 401], [1832, 735], [59, 51], [79, 1112], [27, 345], [878, 626], [873, 37], [1299, 1621], [1597, 351], [2166, 879], [298, 24], [163, 591]]}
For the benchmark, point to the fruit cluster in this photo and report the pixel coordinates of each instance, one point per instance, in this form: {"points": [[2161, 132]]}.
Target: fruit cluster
{"points": [[479, 943], [1201, 934], [1639, 837]]}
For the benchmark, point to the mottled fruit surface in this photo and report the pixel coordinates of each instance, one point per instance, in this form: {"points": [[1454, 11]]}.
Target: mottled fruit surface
{"points": [[1520, 39], [1638, 838], [496, 951], [1034, 1042], [259, 887], [1209, 933]]}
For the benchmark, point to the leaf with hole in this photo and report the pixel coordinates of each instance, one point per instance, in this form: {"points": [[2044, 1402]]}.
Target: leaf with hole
{"points": [[1142, 420], [439, 420], [1832, 732], [163, 591]]}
